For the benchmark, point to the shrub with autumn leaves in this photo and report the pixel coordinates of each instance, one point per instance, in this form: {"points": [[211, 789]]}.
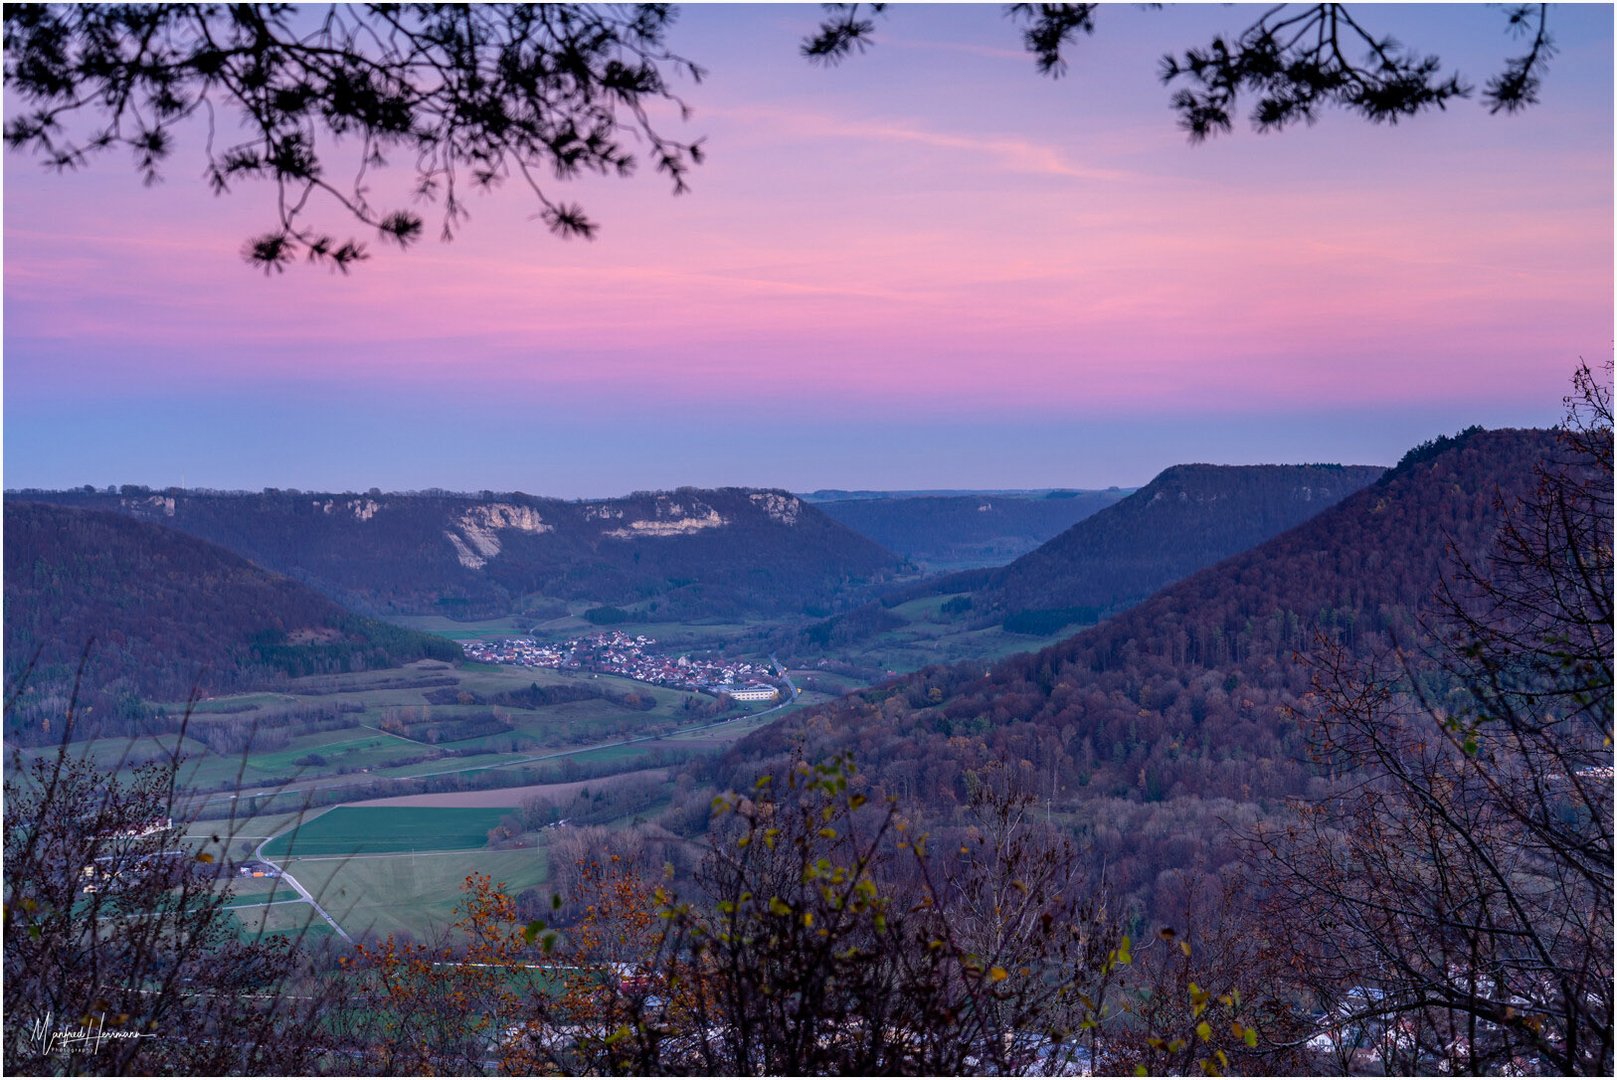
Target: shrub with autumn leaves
{"points": [[827, 937]]}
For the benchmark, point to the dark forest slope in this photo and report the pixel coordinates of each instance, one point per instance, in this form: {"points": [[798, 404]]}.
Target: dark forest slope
{"points": [[1189, 517], [967, 530], [693, 553], [1154, 730], [168, 613]]}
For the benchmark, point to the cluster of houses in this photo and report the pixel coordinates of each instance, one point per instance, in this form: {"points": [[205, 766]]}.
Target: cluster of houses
{"points": [[617, 653], [104, 869], [133, 867], [1370, 1031]]}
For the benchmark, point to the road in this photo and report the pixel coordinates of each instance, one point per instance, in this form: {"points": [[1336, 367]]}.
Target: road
{"points": [[324, 914], [305, 893], [781, 669]]}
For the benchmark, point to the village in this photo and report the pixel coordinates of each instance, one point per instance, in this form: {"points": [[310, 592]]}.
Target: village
{"points": [[616, 653]]}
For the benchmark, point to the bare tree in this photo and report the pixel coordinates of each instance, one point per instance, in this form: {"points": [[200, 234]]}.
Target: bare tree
{"points": [[1458, 888], [121, 955]]}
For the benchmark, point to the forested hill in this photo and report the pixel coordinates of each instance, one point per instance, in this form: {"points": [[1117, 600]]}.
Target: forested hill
{"points": [[1156, 730], [958, 531], [1189, 517], [685, 554], [168, 614]]}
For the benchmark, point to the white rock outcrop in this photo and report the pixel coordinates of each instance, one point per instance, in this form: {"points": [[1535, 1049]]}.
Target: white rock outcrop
{"points": [[683, 526], [150, 505], [476, 538], [781, 508], [673, 519]]}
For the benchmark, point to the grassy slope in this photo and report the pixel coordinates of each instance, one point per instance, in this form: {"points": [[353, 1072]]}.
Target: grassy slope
{"points": [[359, 830], [413, 893]]}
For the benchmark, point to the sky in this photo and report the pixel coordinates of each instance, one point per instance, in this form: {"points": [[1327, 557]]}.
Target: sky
{"points": [[928, 267]]}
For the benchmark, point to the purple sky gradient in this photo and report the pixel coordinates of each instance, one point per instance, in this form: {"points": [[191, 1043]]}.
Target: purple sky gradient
{"points": [[927, 268]]}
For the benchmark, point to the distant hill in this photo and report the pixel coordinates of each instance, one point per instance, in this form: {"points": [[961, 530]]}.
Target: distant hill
{"points": [[1156, 731], [962, 531], [168, 613], [825, 495], [683, 554], [1189, 517]]}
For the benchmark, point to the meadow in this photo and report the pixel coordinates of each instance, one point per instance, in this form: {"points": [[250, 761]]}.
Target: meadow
{"points": [[415, 893], [510, 796], [669, 635], [367, 830], [295, 920], [929, 636]]}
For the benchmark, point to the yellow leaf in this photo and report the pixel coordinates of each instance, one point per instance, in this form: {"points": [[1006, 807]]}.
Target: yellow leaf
{"points": [[1204, 1031], [998, 974]]}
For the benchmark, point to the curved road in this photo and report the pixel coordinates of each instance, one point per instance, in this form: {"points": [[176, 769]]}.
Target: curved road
{"points": [[305, 893]]}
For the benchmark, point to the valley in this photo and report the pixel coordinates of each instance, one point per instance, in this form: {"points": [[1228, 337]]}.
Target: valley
{"points": [[500, 715], [436, 734], [461, 721], [350, 797]]}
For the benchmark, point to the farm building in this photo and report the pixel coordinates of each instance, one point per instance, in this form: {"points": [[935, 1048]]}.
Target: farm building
{"points": [[257, 869]]}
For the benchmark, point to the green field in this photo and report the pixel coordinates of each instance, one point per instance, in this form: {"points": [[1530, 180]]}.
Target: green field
{"points": [[455, 630], [670, 635], [414, 893], [251, 891], [924, 609], [236, 703], [295, 920], [124, 753], [357, 830], [924, 641], [626, 756], [728, 733]]}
